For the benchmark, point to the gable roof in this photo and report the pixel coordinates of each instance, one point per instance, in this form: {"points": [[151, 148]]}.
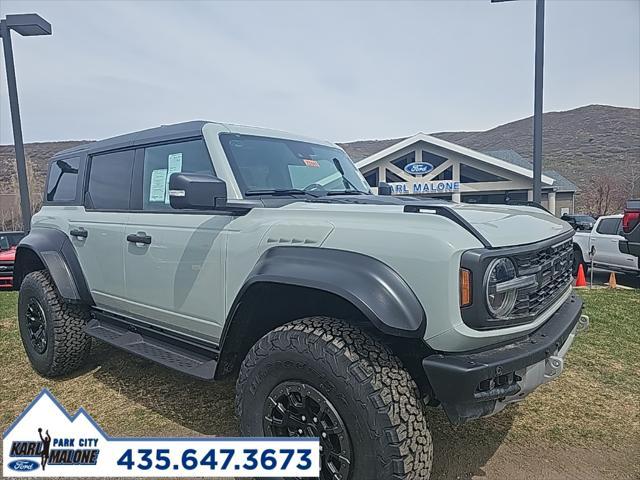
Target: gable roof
{"points": [[561, 184], [482, 157]]}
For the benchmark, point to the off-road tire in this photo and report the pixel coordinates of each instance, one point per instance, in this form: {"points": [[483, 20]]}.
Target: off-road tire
{"points": [[374, 395], [67, 345]]}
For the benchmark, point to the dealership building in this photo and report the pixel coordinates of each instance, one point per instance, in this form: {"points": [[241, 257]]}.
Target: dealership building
{"points": [[425, 165]]}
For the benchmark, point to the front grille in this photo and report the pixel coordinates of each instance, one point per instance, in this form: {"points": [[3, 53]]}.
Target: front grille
{"points": [[6, 269], [552, 267]]}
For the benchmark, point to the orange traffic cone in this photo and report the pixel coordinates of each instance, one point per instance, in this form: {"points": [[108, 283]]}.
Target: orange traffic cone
{"points": [[581, 281], [612, 281]]}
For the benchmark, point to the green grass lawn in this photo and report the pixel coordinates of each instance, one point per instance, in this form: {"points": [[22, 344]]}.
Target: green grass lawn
{"points": [[594, 403]]}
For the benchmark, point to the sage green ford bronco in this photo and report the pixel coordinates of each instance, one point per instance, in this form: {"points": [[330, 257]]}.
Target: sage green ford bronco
{"points": [[220, 250]]}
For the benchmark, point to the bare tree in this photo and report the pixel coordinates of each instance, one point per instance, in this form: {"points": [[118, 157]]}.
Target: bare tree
{"points": [[606, 194], [632, 177]]}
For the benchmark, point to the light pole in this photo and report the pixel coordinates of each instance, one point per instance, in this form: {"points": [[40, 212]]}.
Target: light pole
{"points": [[27, 25], [537, 100]]}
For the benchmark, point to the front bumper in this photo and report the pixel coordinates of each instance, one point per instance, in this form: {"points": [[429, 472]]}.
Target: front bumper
{"points": [[6, 281], [481, 383], [6, 274]]}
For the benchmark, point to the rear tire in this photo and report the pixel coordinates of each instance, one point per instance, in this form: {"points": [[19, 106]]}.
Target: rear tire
{"points": [[372, 418], [52, 330]]}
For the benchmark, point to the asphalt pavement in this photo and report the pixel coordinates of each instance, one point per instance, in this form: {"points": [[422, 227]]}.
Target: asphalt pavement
{"points": [[601, 277]]}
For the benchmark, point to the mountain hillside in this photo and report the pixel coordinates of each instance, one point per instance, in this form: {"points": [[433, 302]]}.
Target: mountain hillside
{"points": [[585, 144], [588, 145]]}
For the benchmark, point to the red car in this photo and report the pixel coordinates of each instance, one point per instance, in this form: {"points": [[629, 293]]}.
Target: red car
{"points": [[8, 242]]}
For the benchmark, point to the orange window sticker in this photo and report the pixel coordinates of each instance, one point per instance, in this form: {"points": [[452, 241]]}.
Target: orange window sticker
{"points": [[311, 163]]}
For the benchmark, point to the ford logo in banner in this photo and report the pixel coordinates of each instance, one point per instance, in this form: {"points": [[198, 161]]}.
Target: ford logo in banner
{"points": [[23, 465], [418, 168]]}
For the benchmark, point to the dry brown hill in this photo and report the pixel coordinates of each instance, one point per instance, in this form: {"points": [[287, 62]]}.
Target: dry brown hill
{"points": [[585, 145]]}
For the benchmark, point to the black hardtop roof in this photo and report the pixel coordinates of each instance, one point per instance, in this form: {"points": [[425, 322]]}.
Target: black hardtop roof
{"points": [[156, 134]]}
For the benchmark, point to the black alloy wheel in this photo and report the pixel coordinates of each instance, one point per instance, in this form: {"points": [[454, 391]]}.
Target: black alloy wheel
{"points": [[37, 325], [296, 409]]}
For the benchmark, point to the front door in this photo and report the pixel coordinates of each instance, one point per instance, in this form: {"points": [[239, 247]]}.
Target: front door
{"points": [[173, 259]]}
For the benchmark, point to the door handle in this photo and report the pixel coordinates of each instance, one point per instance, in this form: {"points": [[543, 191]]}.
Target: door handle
{"points": [[79, 233], [139, 238]]}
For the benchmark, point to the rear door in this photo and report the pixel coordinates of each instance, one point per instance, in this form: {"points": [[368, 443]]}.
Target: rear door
{"points": [[624, 260], [174, 272], [97, 229], [604, 240]]}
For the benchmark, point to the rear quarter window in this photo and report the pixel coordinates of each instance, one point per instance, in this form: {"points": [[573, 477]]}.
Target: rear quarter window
{"points": [[62, 180], [110, 180]]}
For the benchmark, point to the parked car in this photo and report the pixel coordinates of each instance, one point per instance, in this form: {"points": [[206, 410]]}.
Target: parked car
{"points": [[579, 222], [602, 246], [7, 258], [220, 250], [8, 242], [630, 244]]}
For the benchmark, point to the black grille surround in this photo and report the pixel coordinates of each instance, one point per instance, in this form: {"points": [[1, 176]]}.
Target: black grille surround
{"points": [[552, 267], [549, 261], [6, 268]]}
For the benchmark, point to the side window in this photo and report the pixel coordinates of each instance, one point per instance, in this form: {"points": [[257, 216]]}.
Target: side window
{"points": [[162, 160], [609, 226], [110, 180], [62, 180]]}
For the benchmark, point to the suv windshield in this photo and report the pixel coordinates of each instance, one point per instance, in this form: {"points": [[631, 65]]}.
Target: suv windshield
{"points": [[276, 166]]}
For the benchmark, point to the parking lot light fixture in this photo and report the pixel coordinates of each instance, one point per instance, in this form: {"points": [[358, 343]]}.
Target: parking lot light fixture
{"points": [[27, 25], [537, 100]]}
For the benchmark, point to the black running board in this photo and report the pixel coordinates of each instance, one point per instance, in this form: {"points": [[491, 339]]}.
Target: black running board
{"points": [[168, 351]]}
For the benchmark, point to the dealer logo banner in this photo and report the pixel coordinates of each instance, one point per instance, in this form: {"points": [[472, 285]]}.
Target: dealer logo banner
{"points": [[45, 441]]}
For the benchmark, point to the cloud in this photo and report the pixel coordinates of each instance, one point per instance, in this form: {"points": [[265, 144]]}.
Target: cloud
{"points": [[336, 70]]}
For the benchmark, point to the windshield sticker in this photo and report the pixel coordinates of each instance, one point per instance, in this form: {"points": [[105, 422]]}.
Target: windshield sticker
{"points": [[158, 185], [311, 163], [174, 166]]}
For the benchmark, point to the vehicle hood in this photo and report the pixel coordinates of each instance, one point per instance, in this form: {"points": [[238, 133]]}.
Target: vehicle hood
{"points": [[500, 225], [504, 225], [8, 254]]}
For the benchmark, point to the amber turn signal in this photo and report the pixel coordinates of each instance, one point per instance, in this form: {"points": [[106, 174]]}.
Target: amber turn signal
{"points": [[465, 287]]}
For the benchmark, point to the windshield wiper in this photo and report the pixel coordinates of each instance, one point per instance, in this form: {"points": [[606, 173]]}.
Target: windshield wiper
{"points": [[346, 192], [348, 184], [279, 191]]}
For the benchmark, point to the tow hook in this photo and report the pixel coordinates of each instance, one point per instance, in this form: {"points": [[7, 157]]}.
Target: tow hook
{"points": [[583, 324], [553, 366]]}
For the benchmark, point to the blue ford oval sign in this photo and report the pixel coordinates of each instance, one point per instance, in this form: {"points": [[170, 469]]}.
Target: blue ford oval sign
{"points": [[418, 168], [23, 465]]}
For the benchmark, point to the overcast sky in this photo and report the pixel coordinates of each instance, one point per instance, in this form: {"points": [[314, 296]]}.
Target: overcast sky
{"points": [[335, 70]]}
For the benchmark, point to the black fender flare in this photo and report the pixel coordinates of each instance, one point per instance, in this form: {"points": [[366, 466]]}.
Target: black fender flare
{"points": [[57, 254], [370, 285]]}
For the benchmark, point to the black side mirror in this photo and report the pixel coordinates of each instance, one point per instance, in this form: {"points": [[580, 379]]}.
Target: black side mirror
{"points": [[384, 189], [197, 192]]}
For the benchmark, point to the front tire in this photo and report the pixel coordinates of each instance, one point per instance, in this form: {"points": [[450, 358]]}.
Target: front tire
{"points": [[326, 378], [577, 261], [52, 330]]}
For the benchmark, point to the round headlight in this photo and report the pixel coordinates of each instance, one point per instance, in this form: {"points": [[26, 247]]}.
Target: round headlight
{"points": [[500, 298]]}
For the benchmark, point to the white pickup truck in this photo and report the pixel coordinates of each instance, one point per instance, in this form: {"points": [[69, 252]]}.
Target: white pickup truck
{"points": [[602, 243]]}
